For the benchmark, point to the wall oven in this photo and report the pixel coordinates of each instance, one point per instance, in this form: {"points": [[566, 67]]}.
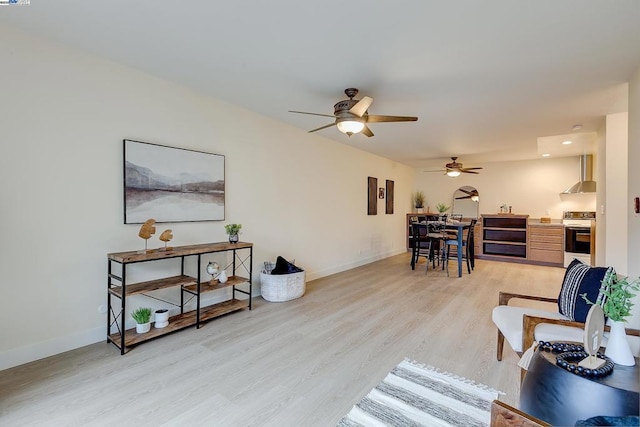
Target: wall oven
{"points": [[579, 237]]}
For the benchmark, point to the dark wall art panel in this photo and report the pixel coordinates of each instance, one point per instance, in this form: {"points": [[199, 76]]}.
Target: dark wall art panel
{"points": [[171, 184], [372, 204], [389, 204]]}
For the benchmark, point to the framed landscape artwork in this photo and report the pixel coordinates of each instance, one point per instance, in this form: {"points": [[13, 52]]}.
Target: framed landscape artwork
{"points": [[171, 184]]}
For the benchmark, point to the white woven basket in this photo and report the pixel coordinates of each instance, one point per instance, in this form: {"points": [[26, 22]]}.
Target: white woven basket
{"points": [[282, 287]]}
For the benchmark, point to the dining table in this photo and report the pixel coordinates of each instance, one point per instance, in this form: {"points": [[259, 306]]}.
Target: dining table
{"points": [[459, 228]]}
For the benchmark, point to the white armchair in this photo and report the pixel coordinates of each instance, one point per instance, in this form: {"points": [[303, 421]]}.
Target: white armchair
{"points": [[523, 326]]}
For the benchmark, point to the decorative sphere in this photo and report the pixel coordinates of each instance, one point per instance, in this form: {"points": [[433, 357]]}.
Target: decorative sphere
{"points": [[212, 268]]}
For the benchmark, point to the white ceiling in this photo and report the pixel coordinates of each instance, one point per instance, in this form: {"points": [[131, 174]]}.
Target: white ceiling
{"points": [[486, 78]]}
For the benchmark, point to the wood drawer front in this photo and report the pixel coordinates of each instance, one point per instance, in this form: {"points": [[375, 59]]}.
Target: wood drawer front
{"points": [[546, 256], [545, 238], [546, 246], [546, 234]]}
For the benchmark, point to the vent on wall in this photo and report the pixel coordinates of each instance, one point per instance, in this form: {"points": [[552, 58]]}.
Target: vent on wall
{"points": [[586, 183]]}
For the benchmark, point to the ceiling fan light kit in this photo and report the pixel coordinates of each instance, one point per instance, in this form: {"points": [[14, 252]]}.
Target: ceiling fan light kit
{"points": [[453, 173], [351, 115], [349, 126]]}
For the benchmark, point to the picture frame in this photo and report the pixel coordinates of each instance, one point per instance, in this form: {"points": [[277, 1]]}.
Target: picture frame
{"points": [[389, 202], [372, 192], [171, 184]]}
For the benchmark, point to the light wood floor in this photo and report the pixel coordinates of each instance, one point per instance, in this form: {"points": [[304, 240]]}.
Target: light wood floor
{"points": [[299, 363]]}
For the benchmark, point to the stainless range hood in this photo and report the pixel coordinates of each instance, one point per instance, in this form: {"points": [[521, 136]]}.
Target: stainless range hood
{"points": [[586, 183]]}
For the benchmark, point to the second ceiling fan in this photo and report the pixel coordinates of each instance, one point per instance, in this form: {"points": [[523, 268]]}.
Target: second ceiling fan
{"points": [[351, 115], [454, 168]]}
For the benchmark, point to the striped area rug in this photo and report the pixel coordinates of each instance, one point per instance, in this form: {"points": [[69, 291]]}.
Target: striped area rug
{"points": [[413, 394]]}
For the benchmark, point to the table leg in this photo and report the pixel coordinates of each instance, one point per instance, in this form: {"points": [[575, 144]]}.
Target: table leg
{"points": [[459, 253]]}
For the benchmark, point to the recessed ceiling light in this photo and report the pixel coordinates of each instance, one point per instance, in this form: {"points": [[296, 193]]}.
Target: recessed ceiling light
{"points": [[576, 127], [566, 142], [546, 155]]}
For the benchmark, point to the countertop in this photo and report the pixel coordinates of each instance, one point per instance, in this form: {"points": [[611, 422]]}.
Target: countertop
{"points": [[536, 222]]}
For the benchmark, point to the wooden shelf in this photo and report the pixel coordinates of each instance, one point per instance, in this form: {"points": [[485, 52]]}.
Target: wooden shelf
{"points": [[505, 229], [176, 323], [118, 287], [153, 285], [181, 321], [505, 236], [179, 251], [208, 286], [222, 308], [506, 242]]}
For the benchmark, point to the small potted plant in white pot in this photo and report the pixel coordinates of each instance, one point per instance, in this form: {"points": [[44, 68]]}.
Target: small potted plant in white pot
{"points": [[233, 230], [142, 316]]}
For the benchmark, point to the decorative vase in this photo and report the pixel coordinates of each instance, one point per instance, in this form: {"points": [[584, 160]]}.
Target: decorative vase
{"points": [[162, 318], [222, 277], [618, 348], [233, 238], [419, 210], [141, 328]]}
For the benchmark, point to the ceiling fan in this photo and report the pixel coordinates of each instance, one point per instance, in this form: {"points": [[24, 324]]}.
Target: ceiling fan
{"points": [[454, 168], [351, 115], [473, 194]]}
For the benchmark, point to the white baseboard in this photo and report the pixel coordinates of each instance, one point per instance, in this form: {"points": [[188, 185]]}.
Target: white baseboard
{"points": [[348, 266], [22, 355]]}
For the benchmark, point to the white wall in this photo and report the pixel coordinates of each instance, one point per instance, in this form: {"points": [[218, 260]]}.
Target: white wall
{"points": [[530, 186], [633, 230], [615, 209], [63, 117]]}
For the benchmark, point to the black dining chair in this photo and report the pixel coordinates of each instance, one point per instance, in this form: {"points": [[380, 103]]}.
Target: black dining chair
{"points": [[468, 251], [421, 244]]}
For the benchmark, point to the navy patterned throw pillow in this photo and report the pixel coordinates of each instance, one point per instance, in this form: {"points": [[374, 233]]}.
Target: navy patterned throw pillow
{"points": [[579, 279]]}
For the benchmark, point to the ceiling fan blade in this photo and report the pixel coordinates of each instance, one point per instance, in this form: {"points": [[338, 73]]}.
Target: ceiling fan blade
{"points": [[379, 119], [465, 197], [323, 127], [468, 171], [470, 193], [361, 107], [471, 169], [439, 170], [366, 131], [312, 114]]}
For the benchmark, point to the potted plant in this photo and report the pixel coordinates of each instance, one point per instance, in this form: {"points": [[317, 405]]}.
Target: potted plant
{"points": [[442, 208], [142, 316], [233, 230], [617, 294], [418, 200]]}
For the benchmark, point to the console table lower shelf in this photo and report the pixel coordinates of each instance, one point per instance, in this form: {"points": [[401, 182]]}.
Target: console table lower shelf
{"points": [[178, 322]]}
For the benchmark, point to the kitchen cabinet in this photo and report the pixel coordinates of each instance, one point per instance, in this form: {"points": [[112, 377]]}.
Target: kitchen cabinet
{"points": [[546, 244], [504, 236]]}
